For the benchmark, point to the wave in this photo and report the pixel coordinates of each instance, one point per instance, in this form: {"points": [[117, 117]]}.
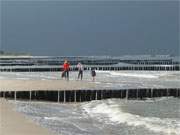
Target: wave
{"points": [[131, 74], [138, 75], [113, 112]]}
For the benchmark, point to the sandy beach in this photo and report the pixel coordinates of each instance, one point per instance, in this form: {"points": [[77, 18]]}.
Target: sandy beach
{"points": [[13, 85], [14, 123]]}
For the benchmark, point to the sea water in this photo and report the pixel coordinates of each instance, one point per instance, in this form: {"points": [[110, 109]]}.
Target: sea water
{"points": [[159, 116]]}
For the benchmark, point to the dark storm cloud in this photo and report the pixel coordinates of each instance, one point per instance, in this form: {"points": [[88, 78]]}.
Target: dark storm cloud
{"points": [[90, 28]]}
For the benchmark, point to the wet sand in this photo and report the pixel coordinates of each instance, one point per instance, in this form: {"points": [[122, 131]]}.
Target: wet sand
{"points": [[27, 85], [14, 123]]}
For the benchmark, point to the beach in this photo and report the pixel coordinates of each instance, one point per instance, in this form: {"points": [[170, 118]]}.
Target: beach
{"points": [[14, 123], [89, 67], [157, 116], [26, 85], [104, 80]]}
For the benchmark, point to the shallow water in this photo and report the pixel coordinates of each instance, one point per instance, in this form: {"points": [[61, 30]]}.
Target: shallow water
{"points": [[160, 116], [109, 79]]}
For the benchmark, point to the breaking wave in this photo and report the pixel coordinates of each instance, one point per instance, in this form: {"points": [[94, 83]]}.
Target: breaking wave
{"points": [[114, 114]]}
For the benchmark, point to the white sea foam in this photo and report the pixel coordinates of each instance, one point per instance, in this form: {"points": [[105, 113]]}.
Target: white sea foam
{"points": [[116, 115], [138, 75], [21, 78], [64, 119], [53, 118]]}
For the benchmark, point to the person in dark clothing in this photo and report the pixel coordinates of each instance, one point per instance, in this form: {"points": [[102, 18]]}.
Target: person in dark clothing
{"points": [[93, 73], [80, 69]]}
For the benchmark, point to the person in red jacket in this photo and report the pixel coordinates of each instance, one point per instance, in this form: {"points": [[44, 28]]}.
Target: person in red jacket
{"points": [[66, 66]]}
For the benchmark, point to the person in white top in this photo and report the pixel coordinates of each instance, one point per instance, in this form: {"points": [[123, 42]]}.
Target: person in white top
{"points": [[80, 69]]}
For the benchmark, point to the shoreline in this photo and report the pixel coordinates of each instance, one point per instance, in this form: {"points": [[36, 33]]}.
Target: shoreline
{"points": [[15, 123]]}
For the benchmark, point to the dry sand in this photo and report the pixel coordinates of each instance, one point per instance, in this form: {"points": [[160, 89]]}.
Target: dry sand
{"points": [[26, 85], [14, 123]]}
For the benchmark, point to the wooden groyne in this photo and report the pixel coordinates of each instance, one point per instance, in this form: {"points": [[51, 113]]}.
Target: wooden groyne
{"points": [[86, 60], [53, 63], [89, 95], [96, 67]]}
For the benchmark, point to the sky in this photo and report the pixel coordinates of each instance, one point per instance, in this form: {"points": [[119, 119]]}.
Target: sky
{"points": [[96, 27]]}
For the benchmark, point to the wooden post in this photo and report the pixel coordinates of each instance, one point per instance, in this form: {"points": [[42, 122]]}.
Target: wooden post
{"points": [[102, 94], [121, 93], [30, 95], [151, 93], [96, 95], [176, 92], [64, 96], [75, 96], [80, 96], [167, 92], [137, 93], [58, 96], [4, 96], [15, 95], [127, 93]]}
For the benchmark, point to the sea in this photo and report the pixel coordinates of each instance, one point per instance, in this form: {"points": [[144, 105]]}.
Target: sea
{"points": [[160, 116], [157, 116]]}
